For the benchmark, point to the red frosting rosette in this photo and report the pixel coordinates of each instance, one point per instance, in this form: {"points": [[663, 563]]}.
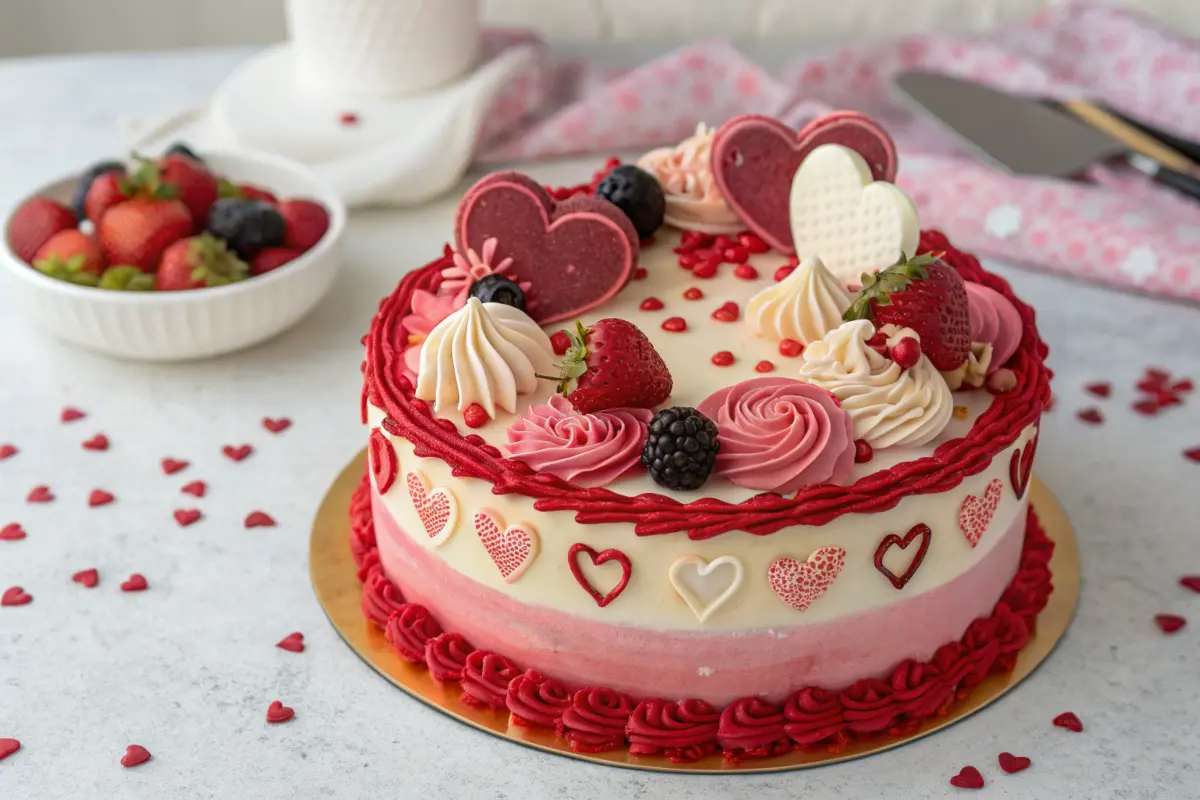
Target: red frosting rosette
{"points": [[595, 720], [485, 679], [778, 435], [684, 732], [869, 706], [920, 689], [537, 701], [812, 715], [380, 597], [752, 728], [446, 656], [409, 629]]}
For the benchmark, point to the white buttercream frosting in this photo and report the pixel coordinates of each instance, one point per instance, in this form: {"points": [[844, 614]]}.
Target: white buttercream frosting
{"points": [[804, 306], [486, 353], [974, 370], [890, 406]]}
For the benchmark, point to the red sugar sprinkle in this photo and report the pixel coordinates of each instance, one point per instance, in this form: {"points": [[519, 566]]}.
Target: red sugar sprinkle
{"points": [[723, 358], [1092, 416], [135, 754], [693, 293], [640, 274], [783, 272], [97, 442], [195, 488], [745, 272], [39, 494], [651, 304], [1099, 388], [348, 118], [1010, 763], [863, 452], [12, 532], [170, 466], [8, 747], [736, 254], [706, 269], [561, 342], [674, 324], [1069, 721], [1147, 407], [790, 348], [99, 497], [475, 416], [1190, 582], [293, 642], [88, 578], [753, 243], [1157, 374], [237, 453], [967, 778], [259, 519], [71, 414], [187, 516], [688, 259], [277, 424], [15, 596], [1184, 385], [728, 312], [1192, 455], [278, 712], [1169, 623], [764, 366], [136, 583], [7, 451]]}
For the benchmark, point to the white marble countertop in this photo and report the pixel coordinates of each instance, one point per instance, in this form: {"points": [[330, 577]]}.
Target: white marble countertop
{"points": [[188, 668]]}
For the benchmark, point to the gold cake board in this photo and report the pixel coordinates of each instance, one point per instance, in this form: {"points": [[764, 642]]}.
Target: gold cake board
{"points": [[335, 580]]}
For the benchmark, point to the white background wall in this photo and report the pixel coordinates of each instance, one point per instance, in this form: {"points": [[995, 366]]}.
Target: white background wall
{"points": [[30, 27]]}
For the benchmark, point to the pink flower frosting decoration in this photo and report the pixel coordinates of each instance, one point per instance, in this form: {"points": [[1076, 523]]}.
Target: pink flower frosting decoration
{"points": [[457, 279], [779, 434], [587, 449], [428, 309]]}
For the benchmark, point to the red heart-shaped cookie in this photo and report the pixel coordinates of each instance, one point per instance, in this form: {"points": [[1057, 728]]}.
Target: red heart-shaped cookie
{"points": [[1070, 721], [15, 596], [754, 159], [12, 532], [799, 584], [237, 453], [135, 754], [187, 516], [577, 254], [71, 414], [195, 488], [919, 530], [88, 578], [293, 642], [967, 778], [8, 747], [259, 519], [278, 712], [276, 425], [1010, 763], [7, 451], [39, 494], [598, 559], [99, 497], [97, 442], [136, 583], [170, 466]]}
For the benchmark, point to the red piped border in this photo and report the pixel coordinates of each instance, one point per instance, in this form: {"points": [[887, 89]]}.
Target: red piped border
{"points": [[469, 456], [598, 719]]}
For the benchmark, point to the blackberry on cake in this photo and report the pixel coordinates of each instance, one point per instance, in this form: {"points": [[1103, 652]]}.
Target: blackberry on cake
{"points": [[498, 289], [247, 225], [612, 365], [638, 195], [681, 448]]}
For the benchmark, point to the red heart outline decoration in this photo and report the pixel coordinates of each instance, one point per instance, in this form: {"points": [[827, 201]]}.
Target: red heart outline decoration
{"points": [[754, 159], [597, 560], [800, 584], [919, 530], [577, 253], [437, 509], [976, 512], [384, 463], [1020, 466], [512, 549]]}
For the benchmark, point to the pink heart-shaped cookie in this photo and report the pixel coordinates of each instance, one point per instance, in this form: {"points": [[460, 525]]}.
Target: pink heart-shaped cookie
{"points": [[512, 549], [577, 254], [754, 159], [798, 584], [977, 512], [437, 510]]}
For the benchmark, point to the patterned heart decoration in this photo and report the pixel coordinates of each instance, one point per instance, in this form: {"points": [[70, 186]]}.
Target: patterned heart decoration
{"points": [[690, 577], [384, 464], [921, 531], [798, 584], [1020, 466], [512, 549], [977, 512], [579, 549], [577, 253], [437, 509], [754, 159]]}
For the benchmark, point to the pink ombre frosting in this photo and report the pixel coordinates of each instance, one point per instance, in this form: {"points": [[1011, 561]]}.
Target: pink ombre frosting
{"points": [[995, 320], [779, 434], [587, 449]]}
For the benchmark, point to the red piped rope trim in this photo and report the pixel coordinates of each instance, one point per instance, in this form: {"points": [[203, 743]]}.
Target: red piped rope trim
{"points": [[811, 718], [651, 514]]}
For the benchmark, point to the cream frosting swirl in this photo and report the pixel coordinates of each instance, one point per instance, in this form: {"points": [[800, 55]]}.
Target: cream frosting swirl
{"points": [[694, 201], [780, 434], [994, 320], [588, 449], [890, 406], [486, 353], [804, 306], [974, 371]]}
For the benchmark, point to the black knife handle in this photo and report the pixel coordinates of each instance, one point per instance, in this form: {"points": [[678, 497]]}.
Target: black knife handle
{"points": [[1179, 181], [1187, 147]]}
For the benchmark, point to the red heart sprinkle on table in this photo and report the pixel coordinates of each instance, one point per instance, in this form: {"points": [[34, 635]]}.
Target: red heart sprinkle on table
{"points": [[651, 304], [88, 578], [135, 754], [967, 778], [170, 466], [790, 348], [693, 293], [561, 342], [99, 497], [187, 516], [736, 254], [783, 272], [348, 118], [640, 274], [1099, 389], [706, 269], [1190, 582], [863, 452], [195, 488], [723, 358], [1010, 763], [674, 324], [1069, 721], [728, 312], [7, 451], [136, 583], [39, 494], [97, 442], [276, 424], [1146, 407], [1092, 416], [753, 243], [278, 712], [1169, 623], [15, 596], [8, 747], [1192, 454], [1183, 386], [764, 366], [745, 272], [259, 519], [12, 532], [71, 414], [237, 453], [293, 642]]}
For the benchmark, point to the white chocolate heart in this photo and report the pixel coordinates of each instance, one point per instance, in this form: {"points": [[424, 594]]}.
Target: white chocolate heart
{"points": [[693, 579], [853, 223]]}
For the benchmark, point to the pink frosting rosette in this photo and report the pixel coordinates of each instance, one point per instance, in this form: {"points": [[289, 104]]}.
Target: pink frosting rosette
{"points": [[996, 321], [779, 434], [587, 449]]}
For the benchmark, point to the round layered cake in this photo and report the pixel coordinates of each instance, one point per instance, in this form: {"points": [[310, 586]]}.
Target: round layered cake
{"points": [[686, 490]]}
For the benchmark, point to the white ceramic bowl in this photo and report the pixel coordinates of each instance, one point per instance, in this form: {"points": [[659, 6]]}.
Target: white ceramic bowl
{"points": [[175, 326]]}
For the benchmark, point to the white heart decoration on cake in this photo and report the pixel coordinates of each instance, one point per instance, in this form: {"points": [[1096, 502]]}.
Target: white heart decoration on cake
{"points": [[798, 584], [437, 509], [693, 579], [852, 222], [977, 512], [512, 549]]}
